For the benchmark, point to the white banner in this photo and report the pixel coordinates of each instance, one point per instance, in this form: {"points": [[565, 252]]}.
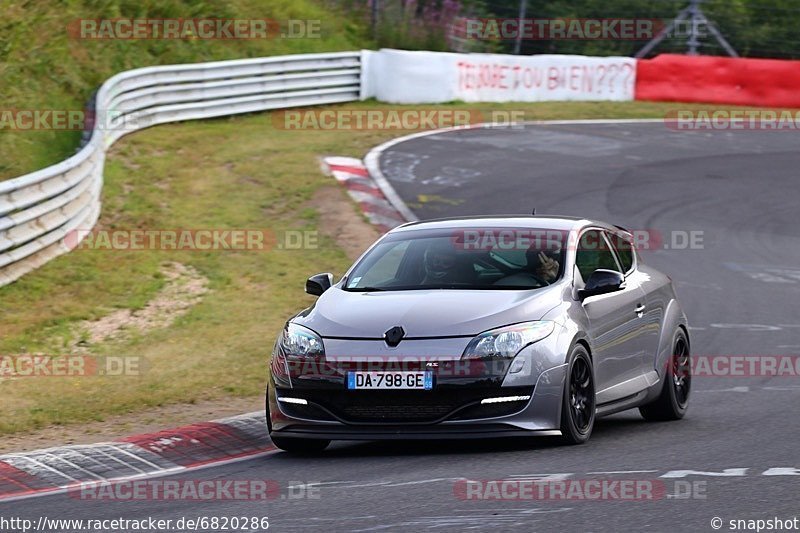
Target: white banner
{"points": [[402, 77]]}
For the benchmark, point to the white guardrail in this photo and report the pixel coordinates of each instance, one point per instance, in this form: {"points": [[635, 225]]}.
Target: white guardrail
{"points": [[41, 211]]}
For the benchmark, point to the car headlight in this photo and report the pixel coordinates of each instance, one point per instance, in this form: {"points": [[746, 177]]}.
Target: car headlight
{"points": [[507, 341], [297, 341]]}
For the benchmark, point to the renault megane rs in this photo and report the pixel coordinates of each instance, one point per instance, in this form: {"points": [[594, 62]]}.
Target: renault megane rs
{"points": [[481, 327]]}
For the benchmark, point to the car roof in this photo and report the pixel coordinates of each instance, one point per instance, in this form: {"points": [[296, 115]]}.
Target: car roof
{"points": [[504, 221]]}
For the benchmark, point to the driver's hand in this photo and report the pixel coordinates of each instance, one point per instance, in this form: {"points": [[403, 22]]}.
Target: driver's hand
{"points": [[548, 267]]}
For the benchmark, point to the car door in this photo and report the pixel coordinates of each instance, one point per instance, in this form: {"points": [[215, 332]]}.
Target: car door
{"points": [[651, 314], [615, 322]]}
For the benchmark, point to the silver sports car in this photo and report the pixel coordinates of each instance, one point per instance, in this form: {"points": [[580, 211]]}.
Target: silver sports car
{"points": [[481, 327]]}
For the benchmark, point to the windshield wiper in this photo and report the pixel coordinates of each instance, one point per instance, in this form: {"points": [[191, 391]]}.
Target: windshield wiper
{"points": [[366, 289]]}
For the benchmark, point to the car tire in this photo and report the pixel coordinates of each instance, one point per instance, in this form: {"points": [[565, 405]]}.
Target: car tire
{"points": [[673, 401], [578, 408]]}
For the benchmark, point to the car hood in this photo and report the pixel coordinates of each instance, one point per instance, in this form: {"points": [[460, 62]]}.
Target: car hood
{"points": [[424, 313]]}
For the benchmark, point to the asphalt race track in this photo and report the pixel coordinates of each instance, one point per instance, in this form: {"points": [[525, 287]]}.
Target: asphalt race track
{"points": [[737, 191]]}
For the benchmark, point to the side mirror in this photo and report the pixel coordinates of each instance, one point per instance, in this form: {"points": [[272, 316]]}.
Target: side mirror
{"points": [[602, 281], [318, 284]]}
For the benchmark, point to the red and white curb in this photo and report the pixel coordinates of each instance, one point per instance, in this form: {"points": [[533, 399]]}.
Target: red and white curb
{"points": [[364, 190], [164, 452]]}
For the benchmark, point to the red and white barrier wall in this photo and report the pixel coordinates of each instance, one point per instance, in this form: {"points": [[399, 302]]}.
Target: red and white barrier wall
{"points": [[404, 77]]}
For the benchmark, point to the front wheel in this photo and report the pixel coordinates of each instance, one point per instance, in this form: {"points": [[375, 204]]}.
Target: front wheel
{"points": [[673, 401], [578, 406]]}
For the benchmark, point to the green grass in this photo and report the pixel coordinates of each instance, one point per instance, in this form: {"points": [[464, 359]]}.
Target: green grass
{"points": [[238, 172], [42, 67]]}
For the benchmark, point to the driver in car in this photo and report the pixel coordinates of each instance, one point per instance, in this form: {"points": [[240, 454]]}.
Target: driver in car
{"points": [[441, 265]]}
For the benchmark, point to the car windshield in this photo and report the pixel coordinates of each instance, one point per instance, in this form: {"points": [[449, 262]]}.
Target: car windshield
{"points": [[481, 258]]}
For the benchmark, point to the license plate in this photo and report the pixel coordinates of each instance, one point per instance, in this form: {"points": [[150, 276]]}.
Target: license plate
{"points": [[390, 380]]}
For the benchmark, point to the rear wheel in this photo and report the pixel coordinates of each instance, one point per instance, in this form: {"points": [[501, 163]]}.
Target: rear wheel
{"points": [[673, 401], [578, 406]]}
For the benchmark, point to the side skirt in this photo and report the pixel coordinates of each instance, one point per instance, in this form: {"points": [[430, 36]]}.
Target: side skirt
{"points": [[623, 404]]}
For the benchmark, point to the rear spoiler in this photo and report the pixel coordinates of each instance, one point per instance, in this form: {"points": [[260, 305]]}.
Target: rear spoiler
{"points": [[626, 230]]}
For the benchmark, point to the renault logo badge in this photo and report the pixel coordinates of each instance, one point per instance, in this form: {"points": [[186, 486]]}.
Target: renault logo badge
{"points": [[394, 336]]}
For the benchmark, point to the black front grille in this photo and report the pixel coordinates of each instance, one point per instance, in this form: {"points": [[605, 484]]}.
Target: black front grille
{"points": [[396, 413], [383, 407]]}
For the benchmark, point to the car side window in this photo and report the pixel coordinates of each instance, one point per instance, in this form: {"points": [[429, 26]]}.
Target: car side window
{"points": [[624, 249], [593, 252]]}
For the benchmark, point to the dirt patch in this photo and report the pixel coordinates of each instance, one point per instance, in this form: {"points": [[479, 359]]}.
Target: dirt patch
{"points": [[340, 221], [117, 427], [184, 287]]}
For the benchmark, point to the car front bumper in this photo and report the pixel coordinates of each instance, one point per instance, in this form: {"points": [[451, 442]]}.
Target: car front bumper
{"points": [[449, 411]]}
